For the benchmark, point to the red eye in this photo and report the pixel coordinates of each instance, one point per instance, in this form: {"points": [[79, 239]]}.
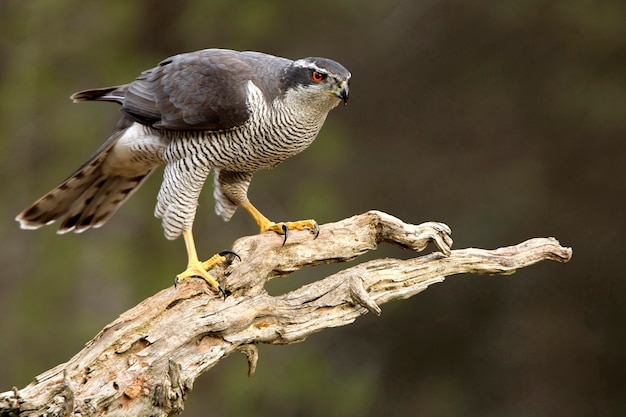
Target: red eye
{"points": [[317, 76]]}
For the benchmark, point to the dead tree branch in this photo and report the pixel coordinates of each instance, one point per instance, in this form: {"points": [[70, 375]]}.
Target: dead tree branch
{"points": [[145, 362]]}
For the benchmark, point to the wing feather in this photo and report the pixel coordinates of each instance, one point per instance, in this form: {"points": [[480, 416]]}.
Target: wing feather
{"points": [[203, 90]]}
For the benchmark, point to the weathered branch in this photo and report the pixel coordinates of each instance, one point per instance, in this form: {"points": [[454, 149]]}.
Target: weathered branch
{"points": [[145, 362]]}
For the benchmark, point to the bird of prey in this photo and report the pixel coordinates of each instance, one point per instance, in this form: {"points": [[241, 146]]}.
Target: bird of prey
{"points": [[233, 112]]}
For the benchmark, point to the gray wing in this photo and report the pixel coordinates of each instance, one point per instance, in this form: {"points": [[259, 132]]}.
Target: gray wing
{"points": [[203, 90]]}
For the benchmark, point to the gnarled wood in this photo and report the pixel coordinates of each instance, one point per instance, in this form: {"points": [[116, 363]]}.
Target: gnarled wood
{"points": [[145, 362]]}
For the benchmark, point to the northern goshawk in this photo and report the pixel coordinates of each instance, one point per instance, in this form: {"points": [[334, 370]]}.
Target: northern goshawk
{"points": [[234, 112]]}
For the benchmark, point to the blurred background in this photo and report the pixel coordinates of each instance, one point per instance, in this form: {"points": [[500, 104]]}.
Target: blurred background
{"points": [[506, 120]]}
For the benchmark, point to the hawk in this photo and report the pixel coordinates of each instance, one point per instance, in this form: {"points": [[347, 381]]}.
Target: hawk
{"points": [[233, 112]]}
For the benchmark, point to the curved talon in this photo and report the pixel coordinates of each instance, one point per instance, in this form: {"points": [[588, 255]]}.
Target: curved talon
{"points": [[285, 232], [229, 252], [222, 291], [316, 230]]}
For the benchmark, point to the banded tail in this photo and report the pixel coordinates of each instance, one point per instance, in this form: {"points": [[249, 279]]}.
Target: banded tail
{"points": [[87, 198]]}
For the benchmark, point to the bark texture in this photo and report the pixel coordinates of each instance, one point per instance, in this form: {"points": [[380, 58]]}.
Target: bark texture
{"points": [[145, 362]]}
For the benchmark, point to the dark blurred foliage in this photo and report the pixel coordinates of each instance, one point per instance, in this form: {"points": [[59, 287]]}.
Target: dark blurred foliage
{"points": [[506, 120]]}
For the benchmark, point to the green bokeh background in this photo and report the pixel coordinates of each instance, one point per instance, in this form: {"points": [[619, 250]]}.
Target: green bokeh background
{"points": [[506, 120]]}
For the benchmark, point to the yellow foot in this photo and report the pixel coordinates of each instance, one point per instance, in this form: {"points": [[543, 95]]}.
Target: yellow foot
{"points": [[199, 269], [283, 228]]}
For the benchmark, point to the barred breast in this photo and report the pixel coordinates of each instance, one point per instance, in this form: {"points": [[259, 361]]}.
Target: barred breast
{"points": [[274, 132]]}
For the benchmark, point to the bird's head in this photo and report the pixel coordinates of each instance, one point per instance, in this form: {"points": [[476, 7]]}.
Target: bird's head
{"points": [[318, 80]]}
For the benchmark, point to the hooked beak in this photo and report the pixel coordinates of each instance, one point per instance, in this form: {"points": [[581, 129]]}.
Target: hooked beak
{"points": [[343, 91]]}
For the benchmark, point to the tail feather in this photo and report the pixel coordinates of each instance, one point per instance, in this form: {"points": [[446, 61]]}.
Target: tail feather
{"points": [[56, 203], [100, 201], [115, 94], [87, 198]]}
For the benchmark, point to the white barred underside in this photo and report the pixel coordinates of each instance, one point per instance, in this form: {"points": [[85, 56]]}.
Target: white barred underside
{"points": [[274, 132]]}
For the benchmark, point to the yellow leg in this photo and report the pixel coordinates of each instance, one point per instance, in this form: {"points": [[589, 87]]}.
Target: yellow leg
{"points": [[195, 268], [265, 224]]}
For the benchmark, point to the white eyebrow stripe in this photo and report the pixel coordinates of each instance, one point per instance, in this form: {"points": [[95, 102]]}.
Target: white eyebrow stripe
{"points": [[311, 65]]}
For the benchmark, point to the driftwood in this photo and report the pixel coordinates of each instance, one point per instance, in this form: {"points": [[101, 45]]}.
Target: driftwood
{"points": [[145, 362]]}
